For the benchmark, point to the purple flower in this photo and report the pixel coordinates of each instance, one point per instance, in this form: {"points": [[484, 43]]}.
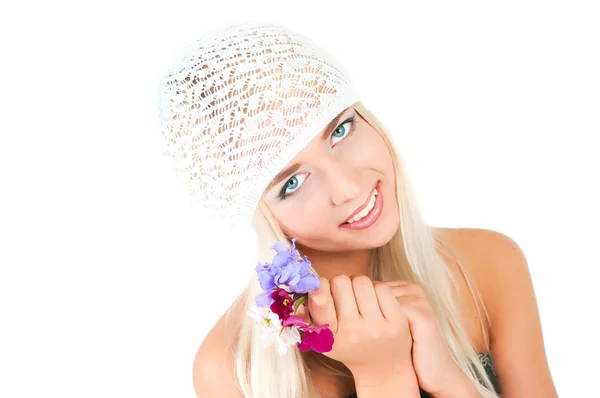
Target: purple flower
{"points": [[297, 276], [264, 299], [285, 271], [284, 254]]}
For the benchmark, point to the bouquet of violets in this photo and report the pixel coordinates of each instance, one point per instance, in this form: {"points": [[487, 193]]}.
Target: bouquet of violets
{"points": [[285, 284]]}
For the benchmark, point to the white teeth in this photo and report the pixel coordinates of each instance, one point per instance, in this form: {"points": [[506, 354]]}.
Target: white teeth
{"points": [[366, 210]]}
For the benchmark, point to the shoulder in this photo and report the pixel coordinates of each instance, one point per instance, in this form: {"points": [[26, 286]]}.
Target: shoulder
{"points": [[213, 369], [464, 251], [495, 262], [490, 257], [477, 241], [500, 271]]}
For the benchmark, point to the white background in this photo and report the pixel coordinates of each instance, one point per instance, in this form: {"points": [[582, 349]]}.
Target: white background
{"points": [[109, 279]]}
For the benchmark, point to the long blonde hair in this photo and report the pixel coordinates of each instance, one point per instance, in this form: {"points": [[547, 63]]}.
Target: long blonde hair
{"points": [[410, 255]]}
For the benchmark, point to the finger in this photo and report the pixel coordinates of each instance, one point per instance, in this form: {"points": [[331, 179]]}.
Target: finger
{"points": [[321, 306], [390, 309], [366, 299], [343, 297], [394, 283], [412, 300], [407, 290], [303, 313], [421, 318]]}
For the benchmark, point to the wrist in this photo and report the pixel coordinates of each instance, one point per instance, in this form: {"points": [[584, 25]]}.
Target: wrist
{"points": [[461, 387], [392, 382]]}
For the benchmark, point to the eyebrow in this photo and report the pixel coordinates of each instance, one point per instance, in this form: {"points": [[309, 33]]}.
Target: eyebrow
{"points": [[293, 168]]}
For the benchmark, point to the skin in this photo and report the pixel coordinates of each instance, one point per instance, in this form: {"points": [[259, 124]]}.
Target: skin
{"points": [[339, 170], [336, 176]]}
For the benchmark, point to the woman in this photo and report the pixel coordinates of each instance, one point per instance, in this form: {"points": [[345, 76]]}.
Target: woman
{"points": [[267, 130]]}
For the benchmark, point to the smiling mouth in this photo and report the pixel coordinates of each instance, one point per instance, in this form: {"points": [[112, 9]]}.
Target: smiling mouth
{"points": [[364, 206]]}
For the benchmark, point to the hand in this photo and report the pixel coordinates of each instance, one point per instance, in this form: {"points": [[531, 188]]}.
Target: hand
{"points": [[435, 369], [371, 332]]}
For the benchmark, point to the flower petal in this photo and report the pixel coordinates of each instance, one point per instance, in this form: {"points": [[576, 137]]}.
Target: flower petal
{"points": [[266, 280], [283, 304], [318, 339], [264, 299], [323, 341], [294, 320], [308, 283]]}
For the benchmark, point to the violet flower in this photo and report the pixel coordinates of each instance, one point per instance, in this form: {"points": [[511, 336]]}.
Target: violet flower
{"points": [[286, 271]]}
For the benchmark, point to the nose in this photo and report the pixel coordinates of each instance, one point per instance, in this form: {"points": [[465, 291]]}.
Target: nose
{"points": [[343, 182]]}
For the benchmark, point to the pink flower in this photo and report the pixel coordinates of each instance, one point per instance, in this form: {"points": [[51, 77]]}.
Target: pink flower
{"points": [[319, 339], [294, 320], [283, 305]]}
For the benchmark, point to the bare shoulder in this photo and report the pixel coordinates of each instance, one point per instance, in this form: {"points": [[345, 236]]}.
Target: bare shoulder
{"points": [[500, 270], [493, 259], [461, 249], [481, 250], [213, 370]]}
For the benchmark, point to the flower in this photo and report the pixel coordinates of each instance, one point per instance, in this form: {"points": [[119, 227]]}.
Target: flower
{"points": [[283, 305], [284, 254], [272, 330], [318, 339], [286, 271], [298, 277], [285, 284]]}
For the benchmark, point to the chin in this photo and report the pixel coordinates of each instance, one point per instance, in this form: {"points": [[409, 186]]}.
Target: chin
{"points": [[385, 233]]}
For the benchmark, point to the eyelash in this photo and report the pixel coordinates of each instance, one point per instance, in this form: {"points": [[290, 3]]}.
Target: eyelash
{"points": [[352, 122]]}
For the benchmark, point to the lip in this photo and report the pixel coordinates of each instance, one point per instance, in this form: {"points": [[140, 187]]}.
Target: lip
{"points": [[365, 204], [370, 218]]}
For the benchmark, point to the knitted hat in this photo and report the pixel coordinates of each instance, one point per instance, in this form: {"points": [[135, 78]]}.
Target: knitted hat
{"points": [[239, 104]]}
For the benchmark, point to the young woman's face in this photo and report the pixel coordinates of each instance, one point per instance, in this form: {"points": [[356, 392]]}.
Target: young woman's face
{"points": [[336, 174]]}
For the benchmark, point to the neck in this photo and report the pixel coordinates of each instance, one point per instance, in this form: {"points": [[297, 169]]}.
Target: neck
{"points": [[330, 264], [331, 377]]}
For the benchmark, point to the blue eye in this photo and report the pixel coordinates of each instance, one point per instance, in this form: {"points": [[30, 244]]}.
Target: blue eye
{"points": [[342, 130], [292, 184]]}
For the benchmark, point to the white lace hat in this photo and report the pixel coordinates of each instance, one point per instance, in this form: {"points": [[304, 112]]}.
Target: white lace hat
{"points": [[239, 103]]}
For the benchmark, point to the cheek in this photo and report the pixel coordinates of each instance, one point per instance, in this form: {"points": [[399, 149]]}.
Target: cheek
{"points": [[310, 220], [377, 150], [369, 151]]}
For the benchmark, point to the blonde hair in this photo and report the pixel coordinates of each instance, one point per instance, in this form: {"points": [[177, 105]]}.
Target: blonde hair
{"points": [[410, 255]]}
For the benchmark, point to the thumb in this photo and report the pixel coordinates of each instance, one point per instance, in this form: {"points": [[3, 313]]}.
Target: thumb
{"points": [[321, 306], [303, 313]]}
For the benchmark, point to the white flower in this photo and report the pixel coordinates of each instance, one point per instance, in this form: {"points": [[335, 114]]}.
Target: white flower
{"points": [[272, 331]]}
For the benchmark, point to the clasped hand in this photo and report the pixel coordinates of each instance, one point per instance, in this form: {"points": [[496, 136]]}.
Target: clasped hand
{"points": [[382, 327]]}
